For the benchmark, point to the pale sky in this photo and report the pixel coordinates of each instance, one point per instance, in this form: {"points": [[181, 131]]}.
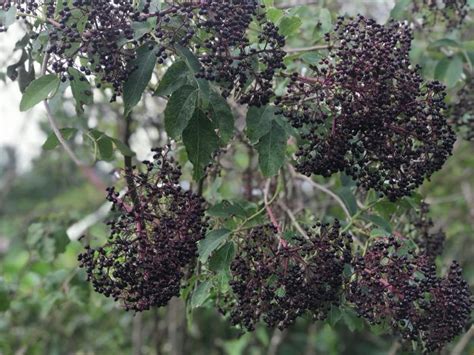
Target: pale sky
{"points": [[19, 129]]}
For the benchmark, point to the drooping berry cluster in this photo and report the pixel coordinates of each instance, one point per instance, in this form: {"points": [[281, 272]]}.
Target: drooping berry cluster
{"points": [[223, 47], [393, 284], [153, 238], [365, 111], [453, 12], [106, 34], [277, 281], [430, 243], [462, 111]]}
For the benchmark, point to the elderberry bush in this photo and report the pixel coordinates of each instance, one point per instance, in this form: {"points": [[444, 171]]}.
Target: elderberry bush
{"points": [[277, 281], [153, 238], [397, 286], [101, 38], [364, 110]]}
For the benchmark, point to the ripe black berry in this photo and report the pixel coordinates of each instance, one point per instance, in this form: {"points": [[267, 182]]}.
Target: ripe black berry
{"points": [[365, 111], [153, 238], [277, 281]]}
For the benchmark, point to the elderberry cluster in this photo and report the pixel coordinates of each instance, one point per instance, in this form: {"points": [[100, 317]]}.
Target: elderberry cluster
{"points": [[462, 112], [153, 238], [453, 12], [395, 285], [430, 243], [277, 281], [365, 111], [223, 47]]}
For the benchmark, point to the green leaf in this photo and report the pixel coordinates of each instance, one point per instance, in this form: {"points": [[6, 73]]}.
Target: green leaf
{"points": [[379, 221], [138, 80], [200, 141], [52, 141], [123, 148], [271, 150], [325, 19], [378, 232], [349, 199], [195, 66], [222, 116], [81, 90], [222, 258], [444, 42], [259, 122], [214, 239], [201, 294], [38, 90], [449, 70], [179, 110], [226, 209], [61, 241], [104, 144], [175, 77], [289, 25], [275, 14], [400, 9], [334, 315]]}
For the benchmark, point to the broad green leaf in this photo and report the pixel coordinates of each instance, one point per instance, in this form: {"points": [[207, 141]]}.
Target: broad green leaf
{"points": [[214, 239], [139, 78], [226, 209], [454, 71], [449, 70], [195, 66], [378, 232], [271, 150], [289, 25], [201, 294], [38, 90], [220, 261], [275, 14], [379, 221], [52, 141], [201, 142], [334, 315], [123, 148], [259, 122], [325, 19], [444, 42], [349, 199], [179, 110], [400, 9], [104, 144], [222, 116], [175, 77], [81, 89]]}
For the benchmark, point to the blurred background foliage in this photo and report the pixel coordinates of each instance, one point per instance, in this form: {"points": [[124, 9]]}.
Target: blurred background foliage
{"points": [[47, 307]]}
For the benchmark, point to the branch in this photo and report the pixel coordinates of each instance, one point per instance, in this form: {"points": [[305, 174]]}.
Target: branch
{"points": [[321, 188], [463, 342], [307, 49], [293, 219], [87, 171]]}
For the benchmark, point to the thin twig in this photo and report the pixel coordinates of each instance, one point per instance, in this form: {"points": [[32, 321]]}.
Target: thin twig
{"points": [[293, 219], [463, 342], [394, 348], [88, 172], [307, 49], [270, 213], [323, 189]]}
